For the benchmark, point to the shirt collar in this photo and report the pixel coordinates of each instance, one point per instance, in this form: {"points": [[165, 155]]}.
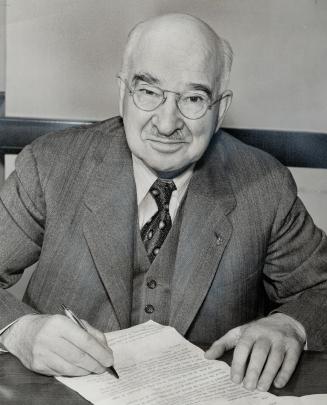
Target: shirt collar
{"points": [[144, 178]]}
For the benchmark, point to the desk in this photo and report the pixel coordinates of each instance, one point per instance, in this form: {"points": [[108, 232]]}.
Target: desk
{"points": [[20, 386]]}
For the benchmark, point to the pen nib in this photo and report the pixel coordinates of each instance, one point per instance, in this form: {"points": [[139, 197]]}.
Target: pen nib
{"points": [[112, 371]]}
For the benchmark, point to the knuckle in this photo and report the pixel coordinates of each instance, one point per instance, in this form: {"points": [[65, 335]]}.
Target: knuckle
{"points": [[108, 361], [51, 324], [79, 358], [237, 365], [71, 370], [36, 353], [101, 338], [98, 369], [252, 372], [262, 345], [67, 370], [278, 336], [89, 340], [245, 343], [287, 369], [37, 365], [284, 376], [53, 320], [266, 379], [216, 344], [293, 342], [279, 347], [274, 363]]}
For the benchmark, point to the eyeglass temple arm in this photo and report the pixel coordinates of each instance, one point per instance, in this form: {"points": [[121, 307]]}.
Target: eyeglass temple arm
{"points": [[224, 94]]}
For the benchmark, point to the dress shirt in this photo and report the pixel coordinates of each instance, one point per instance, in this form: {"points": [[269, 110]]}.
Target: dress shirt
{"points": [[144, 179]]}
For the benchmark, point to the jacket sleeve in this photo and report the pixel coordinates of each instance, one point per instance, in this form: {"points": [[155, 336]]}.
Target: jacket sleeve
{"points": [[22, 219], [295, 272]]}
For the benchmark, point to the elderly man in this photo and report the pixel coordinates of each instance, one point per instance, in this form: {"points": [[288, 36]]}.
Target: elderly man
{"points": [[158, 215]]}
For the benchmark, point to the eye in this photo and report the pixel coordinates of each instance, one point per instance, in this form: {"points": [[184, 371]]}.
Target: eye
{"points": [[194, 99], [148, 92]]}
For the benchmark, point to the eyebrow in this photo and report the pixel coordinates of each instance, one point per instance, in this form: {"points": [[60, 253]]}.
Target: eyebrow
{"points": [[148, 78], [200, 87], [145, 77]]}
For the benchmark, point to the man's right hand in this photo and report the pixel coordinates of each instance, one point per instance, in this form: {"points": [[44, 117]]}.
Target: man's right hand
{"points": [[54, 345]]}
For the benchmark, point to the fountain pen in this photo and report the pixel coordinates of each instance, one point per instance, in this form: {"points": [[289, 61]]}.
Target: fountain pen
{"points": [[70, 314]]}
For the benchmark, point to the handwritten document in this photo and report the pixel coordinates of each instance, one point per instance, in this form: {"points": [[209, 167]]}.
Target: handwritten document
{"points": [[157, 366]]}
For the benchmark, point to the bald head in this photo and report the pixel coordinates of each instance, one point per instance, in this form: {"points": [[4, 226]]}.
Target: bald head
{"points": [[183, 39], [172, 97]]}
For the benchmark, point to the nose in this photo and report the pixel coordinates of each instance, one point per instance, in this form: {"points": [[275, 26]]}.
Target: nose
{"points": [[167, 118]]}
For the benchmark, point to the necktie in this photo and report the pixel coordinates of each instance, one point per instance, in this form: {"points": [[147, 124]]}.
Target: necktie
{"points": [[154, 232]]}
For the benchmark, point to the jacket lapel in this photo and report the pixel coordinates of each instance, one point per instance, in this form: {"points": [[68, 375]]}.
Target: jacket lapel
{"points": [[109, 225], [204, 234]]}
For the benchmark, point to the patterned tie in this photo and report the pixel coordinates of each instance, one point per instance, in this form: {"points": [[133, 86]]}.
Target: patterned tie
{"points": [[154, 232]]}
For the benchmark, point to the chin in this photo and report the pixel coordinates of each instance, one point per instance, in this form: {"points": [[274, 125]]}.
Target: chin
{"points": [[170, 171]]}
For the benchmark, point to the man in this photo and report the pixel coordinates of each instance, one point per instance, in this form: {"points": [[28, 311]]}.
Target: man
{"points": [[219, 247]]}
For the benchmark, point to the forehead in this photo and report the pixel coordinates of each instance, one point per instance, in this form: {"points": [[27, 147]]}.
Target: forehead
{"points": [[175, 62]]}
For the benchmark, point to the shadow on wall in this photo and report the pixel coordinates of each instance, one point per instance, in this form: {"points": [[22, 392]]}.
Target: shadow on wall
{"points": [[2, 104]]}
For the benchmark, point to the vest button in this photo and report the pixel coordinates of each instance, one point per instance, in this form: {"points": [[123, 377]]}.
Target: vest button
{"points": [[149, 309], [219, 240], [152, 284]]}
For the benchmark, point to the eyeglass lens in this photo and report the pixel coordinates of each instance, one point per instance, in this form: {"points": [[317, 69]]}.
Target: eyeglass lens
{"points": [[191, 104]]}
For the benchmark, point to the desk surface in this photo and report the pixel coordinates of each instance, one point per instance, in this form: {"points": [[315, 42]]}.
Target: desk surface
{"points": [[21, 386]]}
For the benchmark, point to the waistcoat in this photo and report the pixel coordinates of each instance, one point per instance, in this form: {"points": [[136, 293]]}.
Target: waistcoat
{"points": [[152, 282]]}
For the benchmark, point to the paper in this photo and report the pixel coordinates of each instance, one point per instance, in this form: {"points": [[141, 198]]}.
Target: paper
{"points": [[157, 366]]}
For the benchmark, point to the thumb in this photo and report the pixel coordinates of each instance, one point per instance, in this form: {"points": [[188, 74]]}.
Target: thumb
{"points": [[225, 343], [99, 336]]}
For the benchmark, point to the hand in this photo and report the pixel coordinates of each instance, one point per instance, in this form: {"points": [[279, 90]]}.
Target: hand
{"points": [[54, 345], [266, 351]]}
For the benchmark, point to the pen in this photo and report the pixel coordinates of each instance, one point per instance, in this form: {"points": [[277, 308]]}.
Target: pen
{"points": [[70, 314]]}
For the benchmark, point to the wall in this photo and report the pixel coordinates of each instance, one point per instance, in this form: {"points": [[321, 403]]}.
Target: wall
{"points": [[63, 55], [2, 44], [2, 61]]}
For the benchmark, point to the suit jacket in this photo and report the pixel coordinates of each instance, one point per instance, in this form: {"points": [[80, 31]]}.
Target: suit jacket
{"points": [[247, 244]]}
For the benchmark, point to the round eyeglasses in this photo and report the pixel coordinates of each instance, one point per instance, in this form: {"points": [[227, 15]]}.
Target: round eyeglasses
{"points": [[191, 104]]}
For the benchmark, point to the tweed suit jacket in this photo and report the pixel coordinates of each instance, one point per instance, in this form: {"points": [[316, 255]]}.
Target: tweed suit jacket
{"points": [[247, 245]]}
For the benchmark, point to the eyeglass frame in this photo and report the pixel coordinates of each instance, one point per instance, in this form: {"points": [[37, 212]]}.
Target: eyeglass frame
{"points": [[131, 92]]}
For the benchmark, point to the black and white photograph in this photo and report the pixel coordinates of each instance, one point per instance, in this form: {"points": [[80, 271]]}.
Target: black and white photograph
{"points": [[163, 194]]}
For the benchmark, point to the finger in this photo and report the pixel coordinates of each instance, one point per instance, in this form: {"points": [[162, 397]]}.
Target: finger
{"points": [[76, 357], [259, 354], [275, 360], [240, 358], [226, 342], [56, 365], [96, 333], [290, 361], [88, 344], [61, 367]]}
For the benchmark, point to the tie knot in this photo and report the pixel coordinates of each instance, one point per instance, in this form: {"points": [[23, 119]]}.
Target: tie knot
{"points": [[161, 191]]}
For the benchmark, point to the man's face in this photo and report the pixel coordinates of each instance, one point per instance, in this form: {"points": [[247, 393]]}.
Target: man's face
{"points": [[164, 139]]}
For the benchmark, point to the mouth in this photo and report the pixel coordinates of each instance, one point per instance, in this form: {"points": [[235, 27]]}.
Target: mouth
{"points": [[166, 145]]}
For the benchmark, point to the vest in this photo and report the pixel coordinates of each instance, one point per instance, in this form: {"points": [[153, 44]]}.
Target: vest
{"points": [[152, 282]]}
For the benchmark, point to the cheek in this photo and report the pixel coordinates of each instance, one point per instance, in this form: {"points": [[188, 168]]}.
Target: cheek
{"points": [[201, 136]]}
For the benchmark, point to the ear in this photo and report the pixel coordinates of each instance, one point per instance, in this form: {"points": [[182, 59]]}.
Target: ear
{"points": [[224, 104], [122, 88]]}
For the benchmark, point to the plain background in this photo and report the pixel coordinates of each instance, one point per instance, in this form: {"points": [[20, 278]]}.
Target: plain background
{"points": [[59, 59], [63, 55], [2, 45]]}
